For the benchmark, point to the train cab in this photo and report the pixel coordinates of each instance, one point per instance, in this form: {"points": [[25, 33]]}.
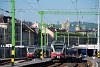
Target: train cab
{"points": [[30, 52], [58, 50]]}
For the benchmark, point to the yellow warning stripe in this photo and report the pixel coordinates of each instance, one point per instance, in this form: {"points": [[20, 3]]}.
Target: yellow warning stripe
{"points": [[13, 52], [12, 59]]}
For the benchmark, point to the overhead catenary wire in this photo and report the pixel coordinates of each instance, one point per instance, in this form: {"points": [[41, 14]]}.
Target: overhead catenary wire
{"points": [[76, 8], [5, 0], [29, 5], [38, 3], [74, 5], [46, 19], [57, 9], [5, 10]]}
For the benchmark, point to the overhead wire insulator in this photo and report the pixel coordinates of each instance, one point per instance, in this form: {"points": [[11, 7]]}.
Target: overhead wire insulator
{"points": [[37, 0]]}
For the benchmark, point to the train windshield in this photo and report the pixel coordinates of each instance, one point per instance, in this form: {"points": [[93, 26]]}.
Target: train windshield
{"points": [[30, 50], [58, 47]]}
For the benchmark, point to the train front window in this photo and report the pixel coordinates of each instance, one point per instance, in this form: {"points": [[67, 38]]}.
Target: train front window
{"points": [[58, 47], [30, 50]]}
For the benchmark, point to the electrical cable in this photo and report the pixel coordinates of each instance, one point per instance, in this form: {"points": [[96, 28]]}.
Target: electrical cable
{"points": [[46, 19], [30, 5], [75, 9], [5, 0], [5, 10], [74, 5]]}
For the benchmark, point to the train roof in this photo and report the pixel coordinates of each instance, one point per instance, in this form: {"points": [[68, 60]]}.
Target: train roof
{"points": [[58, 43]]}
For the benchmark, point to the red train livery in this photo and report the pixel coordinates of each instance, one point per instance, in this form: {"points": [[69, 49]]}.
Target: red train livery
{"points": [[58, 50]]}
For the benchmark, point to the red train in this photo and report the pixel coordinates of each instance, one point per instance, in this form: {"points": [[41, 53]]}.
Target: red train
{"points": [[33, 52], [58, 50], [30, 52]]}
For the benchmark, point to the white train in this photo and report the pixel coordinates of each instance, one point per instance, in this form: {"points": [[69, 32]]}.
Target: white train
{"points": [[58, 50]]}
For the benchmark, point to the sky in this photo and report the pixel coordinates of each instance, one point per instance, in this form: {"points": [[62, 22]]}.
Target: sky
{"points": [[28, 10]]}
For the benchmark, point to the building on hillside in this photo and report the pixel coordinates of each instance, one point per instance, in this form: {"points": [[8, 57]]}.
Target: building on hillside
{"points": [[6, 32], [76, 37], [66, 24]]}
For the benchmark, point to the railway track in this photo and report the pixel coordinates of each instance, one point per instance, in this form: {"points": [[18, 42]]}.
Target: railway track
{"points": [[4, 61], [63, 63], [68, 62], [71, 64], [17, 60]]}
